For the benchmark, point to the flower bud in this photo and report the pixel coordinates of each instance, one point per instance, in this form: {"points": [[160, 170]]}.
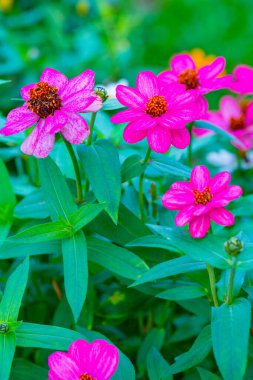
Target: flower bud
{"points": [[101, 91], [4, 327], [233, 246]]}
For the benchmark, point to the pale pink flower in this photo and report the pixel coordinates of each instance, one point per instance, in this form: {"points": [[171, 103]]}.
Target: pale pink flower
{"points": [[156, 112], [202, 200], [53, 105], [243, 80], [84, 361]]}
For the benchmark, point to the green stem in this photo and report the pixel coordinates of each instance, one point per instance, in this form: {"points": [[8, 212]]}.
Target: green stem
{"points": [[89, 141], [229, 297], [77, 171], [212, 281], [189, 160], [141, 198]]}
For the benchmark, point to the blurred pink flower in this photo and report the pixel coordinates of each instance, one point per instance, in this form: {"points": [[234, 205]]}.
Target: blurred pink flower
{"points": [[53, 105], [236, 117], [243, 80], [202, 200], [84, 361], [157, 113]]}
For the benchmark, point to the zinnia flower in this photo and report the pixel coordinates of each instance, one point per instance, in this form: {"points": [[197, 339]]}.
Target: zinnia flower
{"points": [[236, 117], [157, 113], [84, 361], [243, 80], [53, 105], [202, 200]]}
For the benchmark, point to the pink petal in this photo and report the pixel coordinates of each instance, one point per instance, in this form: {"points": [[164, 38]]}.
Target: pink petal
{"points": [[167, 77], [175, 200], [54, 78], [131, 135], [182, 186], [199, 226], [76, 129], [62, 367], [146, 122], [222, 216], [243, 80], [79, 351], [249, 114], [229, 107], [126, 115], [219, 181], [178, 98], [200, 177], [216, 84], [211, 71], [38, 143], [55, 123], [201, 107], [78, 101], [103, 360], [96, 105], [81, 82], [159, 139], [180, 138], [231, 192], [147, 84], [18, 120], [182, 62], [184, 216], [130, 97], [202, 209], [25, 91]]}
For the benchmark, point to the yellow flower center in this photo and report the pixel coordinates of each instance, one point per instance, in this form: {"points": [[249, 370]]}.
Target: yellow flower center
{"points": [[202, 197], [189, 78], [86, 376], [156, 106]]}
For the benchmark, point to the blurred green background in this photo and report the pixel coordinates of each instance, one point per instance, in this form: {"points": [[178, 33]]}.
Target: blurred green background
{"points": [[115, 38]]}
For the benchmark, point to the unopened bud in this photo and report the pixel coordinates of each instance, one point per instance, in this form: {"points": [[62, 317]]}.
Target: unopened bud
{"points": [[101, 91], [4, 327], [233, 246]]}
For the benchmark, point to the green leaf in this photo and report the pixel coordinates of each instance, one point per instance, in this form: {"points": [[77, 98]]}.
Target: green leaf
{"points": [[206, 375], [132, 167], [23, 369], [102, 167], [13, 293], [44, 232], [43, 336], [154, 338], [112, 104], [210, 249], [12, 249], [212, 127], [75, 264], [230, 336], [56, 192], [245, 260], [197, 353], [116, 259], [154, 241], [7, 350], [33, 206], [3, 81], [179, 293], [158, 368], [170, 268], [85, 215], [167, 165]]}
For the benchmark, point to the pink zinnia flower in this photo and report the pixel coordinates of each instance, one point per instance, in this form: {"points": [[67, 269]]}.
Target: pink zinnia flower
{"points": [[236, 117], [84, 361], [157, 113], [53, 105], [243, 80], [202, 200]]}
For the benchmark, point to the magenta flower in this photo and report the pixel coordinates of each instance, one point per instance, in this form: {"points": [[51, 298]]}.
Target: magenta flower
{"points": [[236, 117], [53, 104], [203, 80], [243, 80], [157, 113], [84, 361], [202, 200]]}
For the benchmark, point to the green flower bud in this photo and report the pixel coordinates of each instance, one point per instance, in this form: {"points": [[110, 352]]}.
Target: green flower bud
{"points": [[233, 246], [101, 91], [4, 327]]}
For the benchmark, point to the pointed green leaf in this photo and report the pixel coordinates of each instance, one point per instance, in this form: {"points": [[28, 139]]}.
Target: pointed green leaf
{"points": [[167, 166], [206, 375], [7, 350], [230, 335], [23, 369], [85, 214], [154, 338], [11, 249], [33, 206], [179, 293], [132, 167], [75, 264], [157, 366]]}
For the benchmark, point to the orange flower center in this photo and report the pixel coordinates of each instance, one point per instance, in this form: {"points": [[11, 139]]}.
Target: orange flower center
{"points": [[156, 106], [237, 123], [44, 100], [202, 197], [86, 376], [190, 78]]}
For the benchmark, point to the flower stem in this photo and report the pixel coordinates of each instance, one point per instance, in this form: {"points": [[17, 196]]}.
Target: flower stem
{"points": [[89, 141], [141, 199], [212, 281], [77, 171], [229, 297], [189, 160]]}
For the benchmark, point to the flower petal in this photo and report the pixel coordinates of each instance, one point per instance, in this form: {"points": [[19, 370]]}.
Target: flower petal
{"points": [[79, 352], [54, 78], [76, 129], [18, 120], [167, 77], [182, 186], [216, 84], [184, 216], [62, 367], [222, 216], [219, 181], [25, 91], [103, 360], [159, 139], [38, 143], [147, 84], [130, 97], [78, 101], [230, 107], [131, 135], [243, 80], [180, 138], [96, 105], [81, 82], [182, 62], [231, 192], [200, 177], [126, 115], [213, 70], [55, 123], [175, 200], [199, 226]]}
